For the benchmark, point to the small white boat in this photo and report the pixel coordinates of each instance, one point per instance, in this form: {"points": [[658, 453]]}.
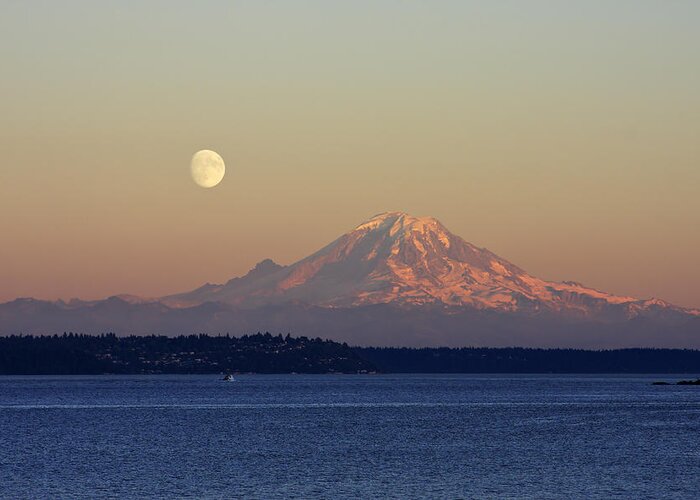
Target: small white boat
{"points": [[228, 378]]}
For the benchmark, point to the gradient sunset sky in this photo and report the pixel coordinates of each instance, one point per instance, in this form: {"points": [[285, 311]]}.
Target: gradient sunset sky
{"points": [[563, 136]]}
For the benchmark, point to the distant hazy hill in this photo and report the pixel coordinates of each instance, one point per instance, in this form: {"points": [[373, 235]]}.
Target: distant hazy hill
{"points": [[393, 280]]}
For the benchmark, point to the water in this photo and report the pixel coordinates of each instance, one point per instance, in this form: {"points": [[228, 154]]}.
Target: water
{"points": [[400, 436]]}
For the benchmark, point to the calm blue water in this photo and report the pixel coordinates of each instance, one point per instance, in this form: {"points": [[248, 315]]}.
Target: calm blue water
{"points": [[400, 436]]}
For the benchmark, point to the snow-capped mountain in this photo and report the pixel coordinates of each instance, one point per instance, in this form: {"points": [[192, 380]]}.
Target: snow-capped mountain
{"points": [[393, 280], [395, 258]]}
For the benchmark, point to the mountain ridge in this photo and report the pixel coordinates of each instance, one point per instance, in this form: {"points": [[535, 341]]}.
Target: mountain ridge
{"points": [[394, 279], [396, 258]]}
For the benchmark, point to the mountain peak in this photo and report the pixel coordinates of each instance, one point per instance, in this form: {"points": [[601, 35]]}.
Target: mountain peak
{"points": [[265, 266], [399, 221], [398, 258]]}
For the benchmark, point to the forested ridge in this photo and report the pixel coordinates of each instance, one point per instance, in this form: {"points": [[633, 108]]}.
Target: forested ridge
{"points": [[72, 353], [94, 354], [527, 360]]}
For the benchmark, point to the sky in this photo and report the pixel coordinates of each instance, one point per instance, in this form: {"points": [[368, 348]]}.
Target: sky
{"points": [[563, 136]]}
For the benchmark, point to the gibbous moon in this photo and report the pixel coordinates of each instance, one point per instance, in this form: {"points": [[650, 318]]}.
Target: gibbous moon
{"points": [[207, 168]]}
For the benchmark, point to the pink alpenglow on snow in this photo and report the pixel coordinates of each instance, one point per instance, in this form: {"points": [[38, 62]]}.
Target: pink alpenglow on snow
{"points": [[395, 279], [397, 258]]}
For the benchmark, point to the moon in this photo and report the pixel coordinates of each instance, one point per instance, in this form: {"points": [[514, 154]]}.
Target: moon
{"points": [[207, 168]]}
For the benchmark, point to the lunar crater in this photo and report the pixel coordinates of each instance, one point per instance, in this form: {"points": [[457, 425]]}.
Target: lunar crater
{"points": [[207, 168]]}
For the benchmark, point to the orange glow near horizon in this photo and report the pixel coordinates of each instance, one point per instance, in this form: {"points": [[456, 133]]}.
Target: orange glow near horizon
{"points": [[563, 137]]}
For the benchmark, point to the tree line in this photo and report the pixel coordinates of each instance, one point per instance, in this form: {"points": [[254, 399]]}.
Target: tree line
{"points": [[526, 360], [72, 353]]}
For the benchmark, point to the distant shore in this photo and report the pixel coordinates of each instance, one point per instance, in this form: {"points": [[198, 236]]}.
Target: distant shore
{"points": [[79, 354], [531, 360]]}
